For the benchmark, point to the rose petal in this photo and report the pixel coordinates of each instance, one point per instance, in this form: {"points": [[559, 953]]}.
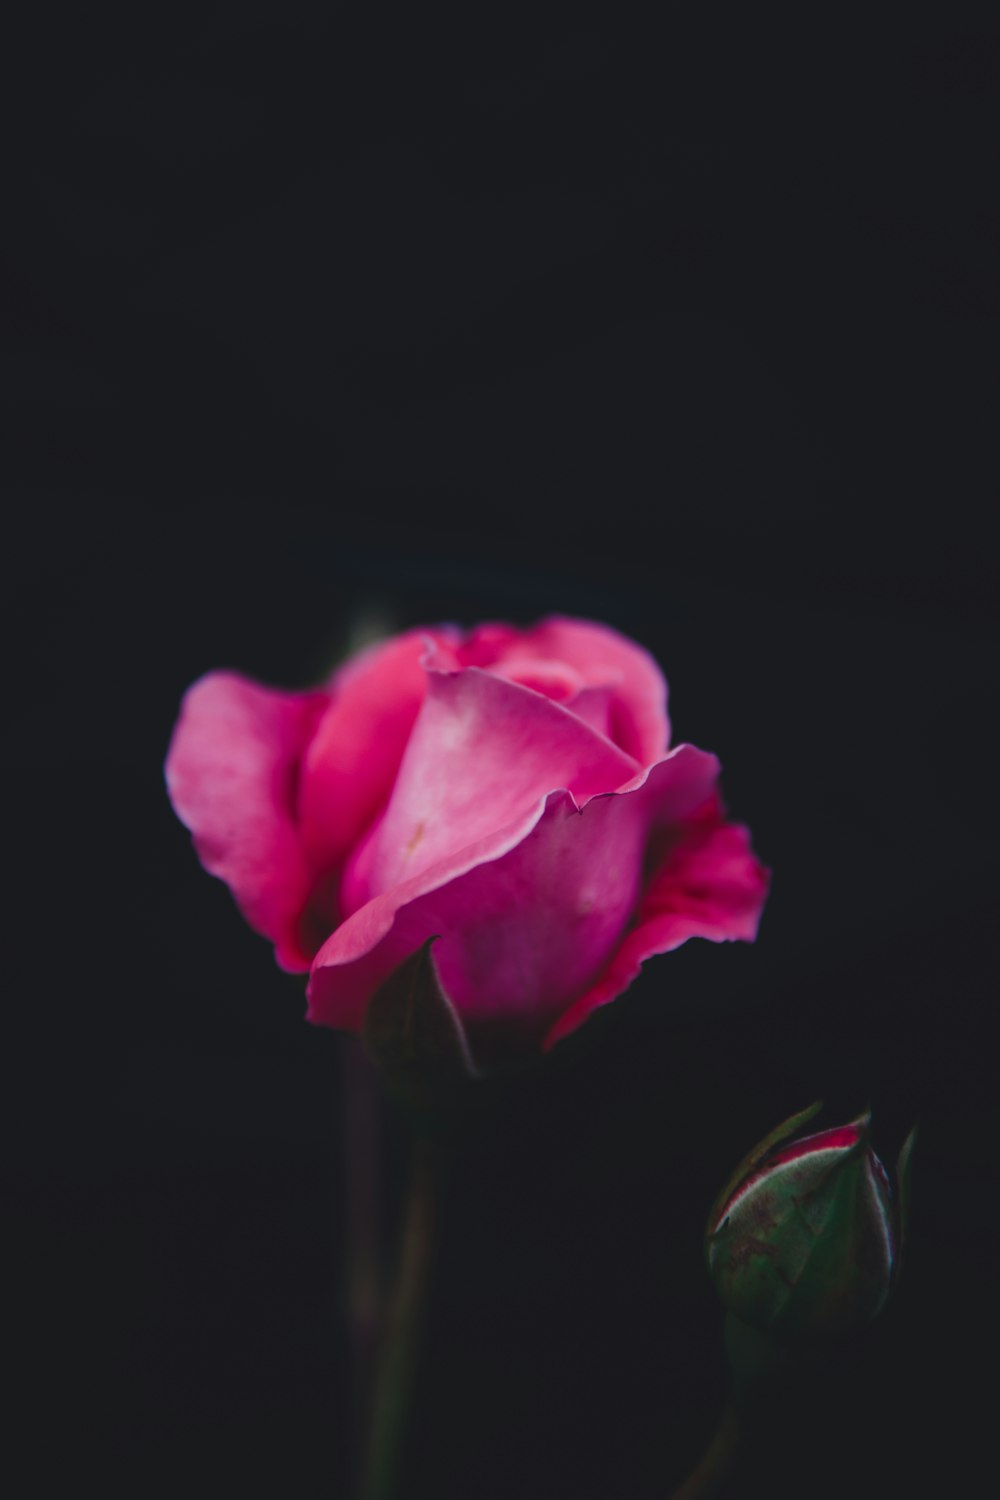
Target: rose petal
{"points": [[353, 758], [553, 679], [481, 754], [525, 918], [605, 658], [375, 939], [232, 773], [595, 706], [517, 935], [708, 884]]}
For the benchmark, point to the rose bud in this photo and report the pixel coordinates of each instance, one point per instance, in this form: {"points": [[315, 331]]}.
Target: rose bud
{"points": [[806, 1236], [511, 794]]}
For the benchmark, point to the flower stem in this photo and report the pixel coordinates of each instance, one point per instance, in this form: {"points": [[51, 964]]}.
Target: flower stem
{"points": [[716, 1462], [363, 1277], [393, 1377]]}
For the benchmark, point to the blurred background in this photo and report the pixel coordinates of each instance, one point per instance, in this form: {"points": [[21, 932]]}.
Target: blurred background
{"points": [[313, 320]]}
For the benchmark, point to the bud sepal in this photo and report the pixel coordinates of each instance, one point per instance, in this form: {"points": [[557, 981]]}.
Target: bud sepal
{"points": [[414, 1035]]}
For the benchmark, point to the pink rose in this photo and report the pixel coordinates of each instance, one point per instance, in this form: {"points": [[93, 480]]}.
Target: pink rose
{"points": [[509, 792]]}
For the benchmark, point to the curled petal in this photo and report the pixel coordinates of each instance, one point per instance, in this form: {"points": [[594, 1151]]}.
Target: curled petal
{"points": [[354, 755], [232, 775], [518, 933], [366, 948], [606, 659], [481, 754], [707, 884], [527, 919]]}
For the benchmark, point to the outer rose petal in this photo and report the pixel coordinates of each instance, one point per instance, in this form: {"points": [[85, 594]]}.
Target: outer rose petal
{"points": [[526, 918], [708, 884], [481, 754], [602, 657], [353, 758], [232, 772]]}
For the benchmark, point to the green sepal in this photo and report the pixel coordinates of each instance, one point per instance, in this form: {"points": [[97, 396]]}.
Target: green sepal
{"points": [[414, 1035], [904, 1176], [824, 1293], [753, 1158], [793, 1266]]}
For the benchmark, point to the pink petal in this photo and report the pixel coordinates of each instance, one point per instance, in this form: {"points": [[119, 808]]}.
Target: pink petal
{"points": [[605, 658], [526, 918], [353, 758], [553, 679], [232, 772], [707, 884], [481, 754], [596, 707], [375, 939], [520, 929], [563, 684]]}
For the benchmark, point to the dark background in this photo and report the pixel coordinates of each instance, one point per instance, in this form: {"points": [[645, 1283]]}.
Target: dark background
{"points": [[306, 318]]}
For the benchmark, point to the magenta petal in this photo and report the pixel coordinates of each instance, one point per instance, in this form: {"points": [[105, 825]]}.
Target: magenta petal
{"points": [[522, 925], [605, 658], [527, 918], [482, 753], [708, 884], [366, 948], [353, 758], [232, 773]]}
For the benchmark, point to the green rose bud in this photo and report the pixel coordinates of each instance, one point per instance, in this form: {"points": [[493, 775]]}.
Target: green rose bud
{"points": [[806, 1236]]}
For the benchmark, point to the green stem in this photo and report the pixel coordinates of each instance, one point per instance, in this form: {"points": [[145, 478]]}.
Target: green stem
{"points": [[717, 1461], [393, 1378], [363, 1275]]}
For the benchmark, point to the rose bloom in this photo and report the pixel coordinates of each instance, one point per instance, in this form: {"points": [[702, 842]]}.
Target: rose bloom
{"points": [[508, 792]]}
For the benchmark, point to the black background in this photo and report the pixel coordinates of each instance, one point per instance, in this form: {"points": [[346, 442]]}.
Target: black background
{"points": [[310, 319]]}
